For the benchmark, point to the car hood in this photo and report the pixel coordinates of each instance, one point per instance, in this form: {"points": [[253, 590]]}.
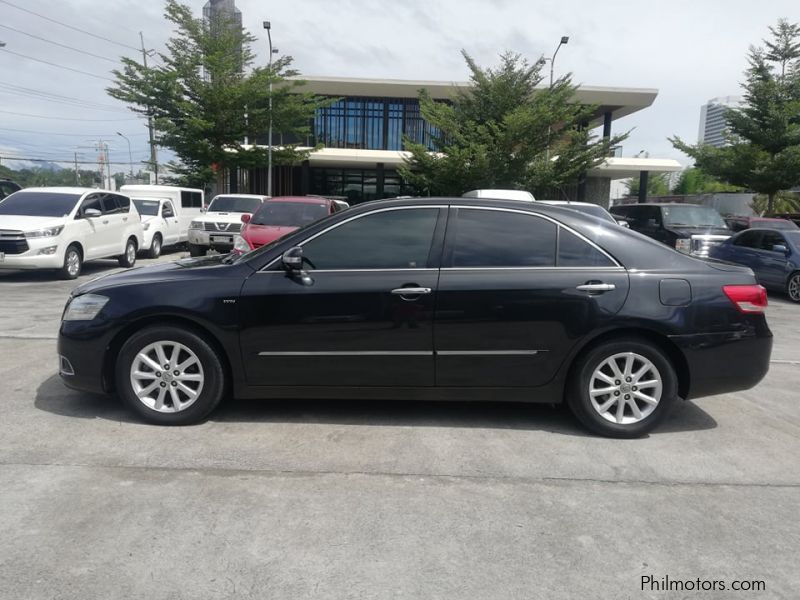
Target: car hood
{"points": [[172, 271], [264, 234], [21, 223], [688, 232]]}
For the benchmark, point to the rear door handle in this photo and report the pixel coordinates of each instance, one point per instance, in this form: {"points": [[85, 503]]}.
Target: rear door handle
{"points": [[105, 222], [411, 291], [596, 287]]}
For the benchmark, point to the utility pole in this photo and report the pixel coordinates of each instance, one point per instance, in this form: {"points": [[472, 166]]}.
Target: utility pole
{"points": [[108, 167], [153, 153], [268, 27], [77, 176]]}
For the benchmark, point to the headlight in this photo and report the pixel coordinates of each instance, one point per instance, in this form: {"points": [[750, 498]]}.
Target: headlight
{"points": [[43, 233], [195, 225], [84, 308], [683, 245], [240, 245]]}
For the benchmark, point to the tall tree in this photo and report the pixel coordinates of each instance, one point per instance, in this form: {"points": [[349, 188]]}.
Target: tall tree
{"points": [[505, 132], [764, 150], [206, 98], [657, 185], [694, 180]]}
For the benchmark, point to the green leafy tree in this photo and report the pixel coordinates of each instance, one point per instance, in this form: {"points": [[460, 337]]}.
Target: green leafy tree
{"points": [[694, 180], [505, 132], [205, 98], [657, 185], [764, 150]]}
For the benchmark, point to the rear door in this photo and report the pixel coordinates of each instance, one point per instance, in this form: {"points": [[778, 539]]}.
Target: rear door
{"points": [[364, 314], [517, 291]]}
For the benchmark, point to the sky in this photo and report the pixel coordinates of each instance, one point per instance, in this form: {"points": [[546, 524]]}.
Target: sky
{"points": [[690, 51]]}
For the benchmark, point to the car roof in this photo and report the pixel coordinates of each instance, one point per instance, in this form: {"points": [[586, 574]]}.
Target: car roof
{"points": [[301, 199], [568, 203], [68, 190], [242, 195]]}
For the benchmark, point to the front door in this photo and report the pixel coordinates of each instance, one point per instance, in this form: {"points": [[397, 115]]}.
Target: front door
{"points": [[363, 316], [171, 224], [516, 292], [773, 264]]}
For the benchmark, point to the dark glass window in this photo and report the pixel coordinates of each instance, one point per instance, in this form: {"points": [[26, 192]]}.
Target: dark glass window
{"points": [[167, 211], [489, 238], [92, 201], [114, 204], [191, 199], [147, 208], [395, 239], [770, 239], [38, 204], [748, 239], [575, 252]]}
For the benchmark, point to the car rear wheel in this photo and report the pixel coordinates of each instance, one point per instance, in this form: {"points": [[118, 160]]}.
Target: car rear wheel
{"points": [[155, 247], [170, 376], [128, 259], [73, 263], [793, 287], [622, 388]]}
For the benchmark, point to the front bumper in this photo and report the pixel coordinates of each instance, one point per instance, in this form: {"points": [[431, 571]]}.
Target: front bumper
{"points": [[33, 259], [211, 239], [82, 354], [725, 362]]}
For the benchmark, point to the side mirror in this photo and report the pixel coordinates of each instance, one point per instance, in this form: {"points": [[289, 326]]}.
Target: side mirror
{"points": [[780, 248], [293, 259], [90, 213], [204, 209], [623, 223], [246, 218]]}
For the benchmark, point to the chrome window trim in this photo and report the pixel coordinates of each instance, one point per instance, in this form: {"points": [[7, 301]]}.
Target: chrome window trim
{"points": [[546, 218], [488, 352], [604, 269], [353, 218], [352, 353]]}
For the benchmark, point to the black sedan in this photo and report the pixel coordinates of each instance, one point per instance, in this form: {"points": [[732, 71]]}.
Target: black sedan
{"points": [[435, 299]]}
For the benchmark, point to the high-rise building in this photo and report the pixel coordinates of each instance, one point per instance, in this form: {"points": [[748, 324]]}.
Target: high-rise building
{"points": [[223, 12], [713, 128]]}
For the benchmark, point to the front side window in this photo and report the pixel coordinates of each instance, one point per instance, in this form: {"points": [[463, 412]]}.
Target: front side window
{"points": [[93, 201], [393, 239], [772, 239], [491, 238], [575, 252], [167, 211]]}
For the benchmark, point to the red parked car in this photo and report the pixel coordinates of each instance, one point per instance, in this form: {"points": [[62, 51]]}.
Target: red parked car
{"points": [[737, 223], [278, 216]]}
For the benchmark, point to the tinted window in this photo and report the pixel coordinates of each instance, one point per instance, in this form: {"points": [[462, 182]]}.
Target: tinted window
{"points": [[748, 239], [113, 204], [92, 201], [147, 208], [191, 199], [167, 210], [124, 204], [396, 239], [240, 204], [770, 239], [490, 238], [289, 214], [38, 204], [575, 252], [692, 216]]}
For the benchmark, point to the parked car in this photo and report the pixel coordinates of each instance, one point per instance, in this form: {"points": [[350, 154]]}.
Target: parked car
{"points": [[215, 230], [738, 223], [689, 228], [500, 195], [7, 187], [61, 228], [167, 222], [588, 208], [773, 254], [793, 217], [278, 216], [426, 299]]}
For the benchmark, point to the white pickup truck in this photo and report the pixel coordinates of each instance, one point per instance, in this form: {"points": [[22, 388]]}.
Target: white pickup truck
{"points": [[166, 213], [216, 229]]}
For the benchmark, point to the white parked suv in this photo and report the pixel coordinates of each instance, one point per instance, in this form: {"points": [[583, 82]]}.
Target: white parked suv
{"points": [[216, 229], [61, 228]]}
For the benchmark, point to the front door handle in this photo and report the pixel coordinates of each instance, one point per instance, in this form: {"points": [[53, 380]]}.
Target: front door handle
{"points": [[105, 222], [596, 287], [411, 291]]}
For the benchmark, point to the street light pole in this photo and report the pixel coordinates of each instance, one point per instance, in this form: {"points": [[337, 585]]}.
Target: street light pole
{"points": [[130, 155], [268, 27], [564, 41]]}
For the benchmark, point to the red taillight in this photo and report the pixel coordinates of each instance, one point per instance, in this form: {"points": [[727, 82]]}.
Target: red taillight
{"points": [[747, 298]]}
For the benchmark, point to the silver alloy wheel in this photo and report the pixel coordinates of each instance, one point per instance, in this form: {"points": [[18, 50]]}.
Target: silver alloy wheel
{"points": [[73, 262], [625, 388], [156, 246], [130, 253], [794, 287], [167, 376]]}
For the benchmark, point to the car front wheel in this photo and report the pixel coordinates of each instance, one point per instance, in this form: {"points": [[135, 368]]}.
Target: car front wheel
{"points": [[170, 376], [128, 259], [622, 388], [195, 250], [73, 262], [793, 287]]}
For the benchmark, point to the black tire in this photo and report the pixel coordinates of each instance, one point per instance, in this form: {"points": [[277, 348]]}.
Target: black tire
{"points": [[580, 380], [128, 259], [155, 246], [195, 250], [213, 386], [793, 287], [73, 263]]}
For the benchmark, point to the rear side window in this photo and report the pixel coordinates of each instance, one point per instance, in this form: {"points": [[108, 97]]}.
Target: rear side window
{"points": [[114, 204], [491, 238], [575, 252], [749, 239], [191, 199], [395, 239]]}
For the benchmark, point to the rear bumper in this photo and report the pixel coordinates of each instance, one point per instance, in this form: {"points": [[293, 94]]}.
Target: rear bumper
{"points": [[725, 362]]}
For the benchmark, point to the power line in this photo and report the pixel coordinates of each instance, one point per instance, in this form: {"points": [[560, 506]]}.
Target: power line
{"points": [[94, 35], [111, 60], [15, 91], [90, 135], [57, 65], [66, 160], [9, 112]]}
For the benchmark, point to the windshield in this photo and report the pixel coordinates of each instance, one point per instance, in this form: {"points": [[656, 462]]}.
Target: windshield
{"points": [[692, 216], [240, 204], [289, 214], [592, 209], [147, 208], [776, 224], [38, 204]]}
